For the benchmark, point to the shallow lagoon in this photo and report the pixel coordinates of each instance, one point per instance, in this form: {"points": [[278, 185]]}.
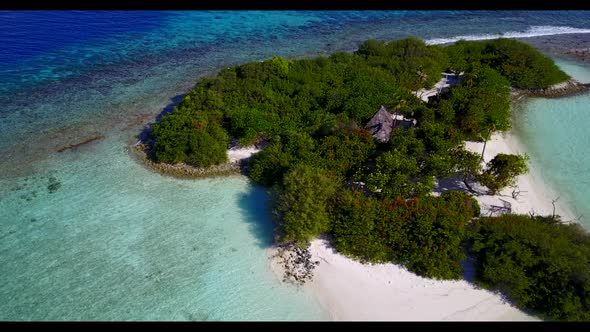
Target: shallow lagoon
{"points": [[90, 234], [115, 241], [555, 134]]}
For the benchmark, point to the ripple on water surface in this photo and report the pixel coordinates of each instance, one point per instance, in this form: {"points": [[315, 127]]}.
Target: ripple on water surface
{"points": [[98, 237], [555, 134]]}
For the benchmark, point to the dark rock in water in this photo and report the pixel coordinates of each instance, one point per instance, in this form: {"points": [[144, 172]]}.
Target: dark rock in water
{"points": [[197, 316], [53, 186], [74, 146]]}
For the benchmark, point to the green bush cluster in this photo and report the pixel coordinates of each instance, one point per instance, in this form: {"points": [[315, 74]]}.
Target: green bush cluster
{"points": [[540, 263], [182, 138], [301, 203], [521, 64], [502, 171], [424, 234], [479, 105]]}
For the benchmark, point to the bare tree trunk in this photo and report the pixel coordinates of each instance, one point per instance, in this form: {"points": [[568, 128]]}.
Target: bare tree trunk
{"points": [[553, 203], [483, 151], [485, 143]]}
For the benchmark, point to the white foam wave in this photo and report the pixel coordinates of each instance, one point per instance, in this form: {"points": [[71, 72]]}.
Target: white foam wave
{"points": [[533, 31]]}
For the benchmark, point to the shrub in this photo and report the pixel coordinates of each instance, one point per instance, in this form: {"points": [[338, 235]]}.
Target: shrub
{"points": [[540, 263]]}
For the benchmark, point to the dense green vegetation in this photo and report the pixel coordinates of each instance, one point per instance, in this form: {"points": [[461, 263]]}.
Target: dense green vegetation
{"points": [[302, 203], [520, 63], [329, 175], [277, 96], [478, 105], [541, 264], [424, 234], [182, 138]]}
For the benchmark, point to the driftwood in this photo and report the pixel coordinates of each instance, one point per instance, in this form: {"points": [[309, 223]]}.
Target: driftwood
{"points": [[516, 192], [505, 208], [73, 146]]}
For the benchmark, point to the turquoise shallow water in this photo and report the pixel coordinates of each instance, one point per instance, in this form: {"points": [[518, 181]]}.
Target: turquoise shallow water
{"points": [[116, 242], [555, 134]]}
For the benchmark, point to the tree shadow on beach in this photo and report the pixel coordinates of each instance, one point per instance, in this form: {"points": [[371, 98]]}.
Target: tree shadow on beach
{"points": [[254, 206], [451, 183], [455, 182]]}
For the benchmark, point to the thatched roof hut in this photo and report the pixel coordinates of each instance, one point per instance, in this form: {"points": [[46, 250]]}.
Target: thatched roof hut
{"points": [[381, 125], [383, 122]]}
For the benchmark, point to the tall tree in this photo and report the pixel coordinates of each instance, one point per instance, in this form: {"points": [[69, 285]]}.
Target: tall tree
{"points": [[503, 170], [301, 205]]}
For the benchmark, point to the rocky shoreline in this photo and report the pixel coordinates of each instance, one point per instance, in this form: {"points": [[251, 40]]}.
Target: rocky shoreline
{"points": [[564, 89], [182, 170], [295, 264]]}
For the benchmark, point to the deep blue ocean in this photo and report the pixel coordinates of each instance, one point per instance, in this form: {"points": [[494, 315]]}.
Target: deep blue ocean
{"points": [[91, 234]]}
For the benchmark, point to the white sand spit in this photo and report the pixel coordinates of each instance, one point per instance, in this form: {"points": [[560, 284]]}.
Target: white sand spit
{"points": [[351, 290]]}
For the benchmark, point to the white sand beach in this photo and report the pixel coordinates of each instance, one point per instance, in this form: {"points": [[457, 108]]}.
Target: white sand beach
{"points": [[352, 291], [236, 154], [536, 194]]}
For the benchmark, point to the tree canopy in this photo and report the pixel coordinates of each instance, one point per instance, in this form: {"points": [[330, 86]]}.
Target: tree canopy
{"points": [[329, 175], [521, 64], [540, 263]]}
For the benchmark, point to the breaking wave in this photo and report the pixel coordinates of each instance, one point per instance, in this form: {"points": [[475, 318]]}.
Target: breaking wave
{"points": [[533, 31]]}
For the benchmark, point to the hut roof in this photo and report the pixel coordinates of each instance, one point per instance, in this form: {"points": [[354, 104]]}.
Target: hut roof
{"points": [[381, 125], [383, 122]]}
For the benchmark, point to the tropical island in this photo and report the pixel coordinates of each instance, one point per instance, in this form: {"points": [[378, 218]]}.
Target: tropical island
{"points": [[351, 151]]}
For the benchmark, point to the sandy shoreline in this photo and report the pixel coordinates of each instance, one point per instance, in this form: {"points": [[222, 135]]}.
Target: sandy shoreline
{"points": [[536, 194], [387, 292], [349, 290]]}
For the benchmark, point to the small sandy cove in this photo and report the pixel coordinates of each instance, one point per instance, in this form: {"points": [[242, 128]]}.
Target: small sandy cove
{"points": [[350, 290], [236, 154]]}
